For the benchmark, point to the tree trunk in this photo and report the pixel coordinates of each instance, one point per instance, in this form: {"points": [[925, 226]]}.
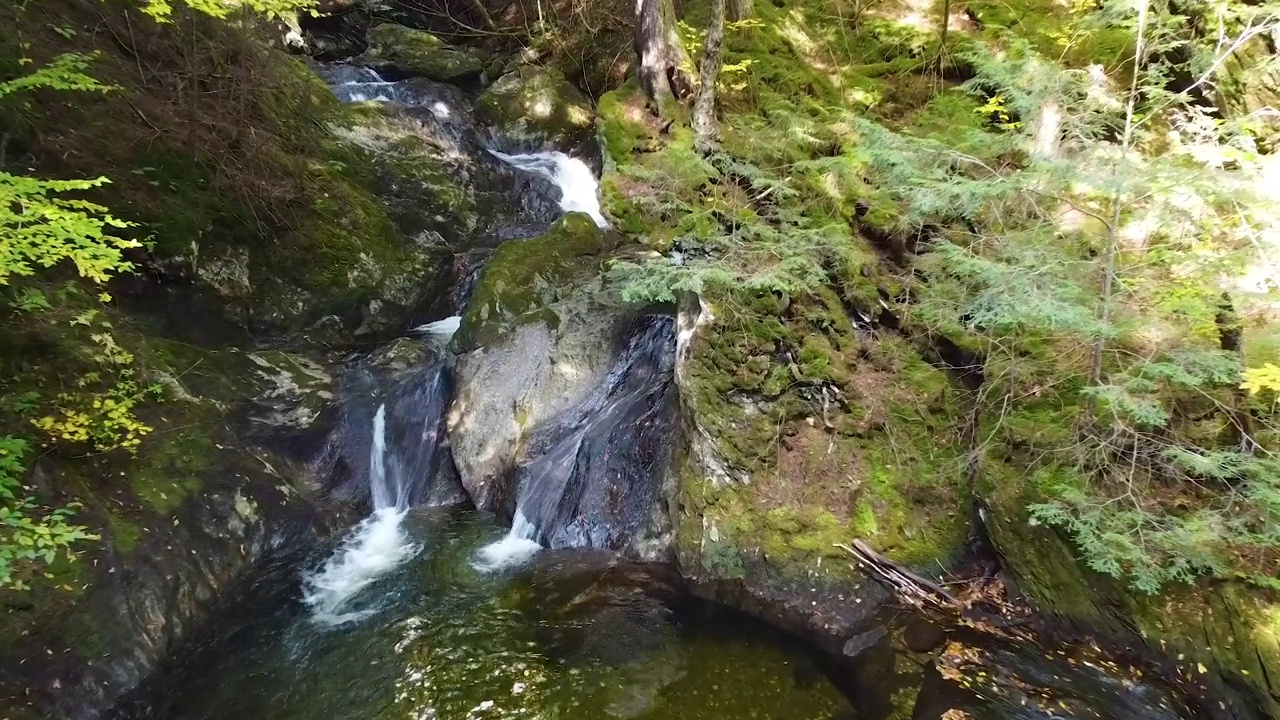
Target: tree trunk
{"points": [[1117, 206], [740, 10], [946, 26], [704, 112], [1046, 130], [664, 64]]}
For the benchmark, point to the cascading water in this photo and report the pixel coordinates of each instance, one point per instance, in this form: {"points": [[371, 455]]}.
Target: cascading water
{"points": [[441, 115], [442, 329], [405, 433], [360, 84], [596, 470], [405, 447], [579, 189]]}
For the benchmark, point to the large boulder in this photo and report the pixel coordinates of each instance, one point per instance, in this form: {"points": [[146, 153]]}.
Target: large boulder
{"points": [[419, 53], [534, 341], [540, 104], [565, 398]]}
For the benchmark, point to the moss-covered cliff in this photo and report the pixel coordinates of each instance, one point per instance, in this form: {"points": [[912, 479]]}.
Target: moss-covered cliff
{"points": [[816, 393], [263, 201]]}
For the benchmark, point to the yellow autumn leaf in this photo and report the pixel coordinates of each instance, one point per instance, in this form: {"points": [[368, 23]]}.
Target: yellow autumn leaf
{"points": [[1259, 379]]}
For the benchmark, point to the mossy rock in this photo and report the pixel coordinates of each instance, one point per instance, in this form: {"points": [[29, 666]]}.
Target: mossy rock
{"points": [[177, 523], [809, 434], [1215, 630], [1250, 88], [524, 278], [419, 53], [367, 248], [280, 218], [539, 101], [538, 336]]}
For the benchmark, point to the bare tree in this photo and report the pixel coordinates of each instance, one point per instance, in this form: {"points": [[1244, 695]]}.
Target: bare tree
{"points": [[664, 64], [740, 10]]}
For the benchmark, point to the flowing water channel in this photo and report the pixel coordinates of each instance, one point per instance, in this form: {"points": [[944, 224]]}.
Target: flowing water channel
{"points": [[423, 612]]}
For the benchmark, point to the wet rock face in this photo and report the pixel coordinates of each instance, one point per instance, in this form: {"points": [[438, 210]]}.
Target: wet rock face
{"points": [[221, 486], [563, 407], [408, 384], [432, 164], [533, 342], [595, 472], [418, 53]]}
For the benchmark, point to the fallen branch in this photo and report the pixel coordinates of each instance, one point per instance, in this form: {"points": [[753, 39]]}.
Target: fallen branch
{"points": [[912, 586]]}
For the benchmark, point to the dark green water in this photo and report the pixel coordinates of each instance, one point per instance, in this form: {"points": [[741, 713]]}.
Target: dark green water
{"points": [[563, 638], [580, 636]]}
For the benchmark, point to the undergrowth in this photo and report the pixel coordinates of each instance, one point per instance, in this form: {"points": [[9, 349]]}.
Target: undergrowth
{"points": [[851, 159]]}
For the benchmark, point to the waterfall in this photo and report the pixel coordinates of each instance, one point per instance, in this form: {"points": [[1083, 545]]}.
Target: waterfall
{"points": [[376, 546], [579, 189], [442, 330], [595, 470], [383, 498], [517, 546], [404, 439]]}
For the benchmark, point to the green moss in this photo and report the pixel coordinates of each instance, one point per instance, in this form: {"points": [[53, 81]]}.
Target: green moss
{"points": [[877, 459], [538, 100], [623, 123], [864, 520], [261, 191], [126, 533], [421, 53], [171, 467], [1057, 31], [523, 278], [658, 187]]}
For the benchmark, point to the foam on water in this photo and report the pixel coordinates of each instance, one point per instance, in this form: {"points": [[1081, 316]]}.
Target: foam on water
{"points": [[513, 550], [377, 545], [579, 189], [440, 329]]}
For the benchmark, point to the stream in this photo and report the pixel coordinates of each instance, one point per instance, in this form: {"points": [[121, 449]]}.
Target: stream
{"points": [[427, 609]]}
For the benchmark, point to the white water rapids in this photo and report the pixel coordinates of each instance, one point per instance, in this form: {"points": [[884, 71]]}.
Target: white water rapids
{"points": [[579, 189], [375, 547]]}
